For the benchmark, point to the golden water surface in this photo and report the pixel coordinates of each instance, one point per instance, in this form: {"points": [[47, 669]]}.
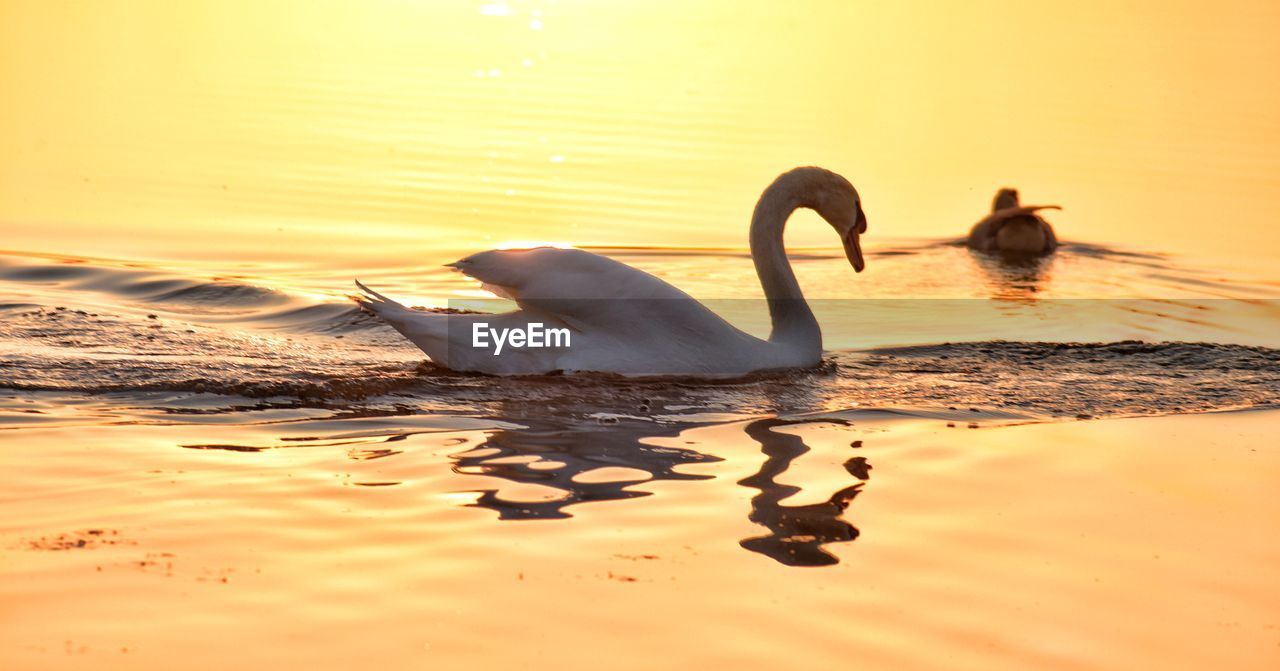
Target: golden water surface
{"points": [[208, 460], [259, 130]]}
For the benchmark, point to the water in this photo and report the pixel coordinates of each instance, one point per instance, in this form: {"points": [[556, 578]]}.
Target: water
{"points": [[99, 342], [269, 130], [77, 326], [246, 439], [210, 458]]}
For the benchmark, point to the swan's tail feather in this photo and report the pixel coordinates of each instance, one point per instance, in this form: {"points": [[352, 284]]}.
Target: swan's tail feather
{"points": [[373, 293], [430, 332], [377, 304]]}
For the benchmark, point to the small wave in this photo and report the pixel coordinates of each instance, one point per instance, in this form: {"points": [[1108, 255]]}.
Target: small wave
{"points": [[141, 285], [7, 306], [221, 294], [327, 318], [47, 273], [99, 288], [1084, 380]]}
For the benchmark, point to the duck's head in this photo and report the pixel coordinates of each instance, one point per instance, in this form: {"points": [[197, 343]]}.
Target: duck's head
{"points": [[1005, 199]]}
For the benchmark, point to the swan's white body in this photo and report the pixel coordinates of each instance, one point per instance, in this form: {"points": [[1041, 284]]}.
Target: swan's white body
{"points": [[626, 321]]}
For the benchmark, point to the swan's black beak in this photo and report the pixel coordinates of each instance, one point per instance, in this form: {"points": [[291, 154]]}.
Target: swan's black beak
{"points": [[853, 250], [852, 246]]}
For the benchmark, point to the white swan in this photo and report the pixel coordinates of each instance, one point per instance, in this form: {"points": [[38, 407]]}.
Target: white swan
{"points": [[1014, 228], [626, 321]]}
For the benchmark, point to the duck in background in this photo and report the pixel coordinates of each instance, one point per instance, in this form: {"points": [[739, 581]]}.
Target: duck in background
{"points": [[1014, 228]]}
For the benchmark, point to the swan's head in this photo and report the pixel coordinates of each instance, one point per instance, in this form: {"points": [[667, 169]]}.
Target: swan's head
{"points": [[835, 200], [1005, 199]]}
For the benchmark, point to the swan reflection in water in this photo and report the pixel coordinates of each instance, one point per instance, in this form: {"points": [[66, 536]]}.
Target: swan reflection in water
{"points": [[556, 454], [562, 452], [797, 534]]}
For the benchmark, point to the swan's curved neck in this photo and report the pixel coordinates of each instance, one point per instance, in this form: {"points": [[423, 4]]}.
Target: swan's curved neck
{"points": [[793, 322]]}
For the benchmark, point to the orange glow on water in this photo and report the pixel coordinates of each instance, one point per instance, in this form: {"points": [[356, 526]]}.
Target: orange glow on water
{"points": [[238, 130], [195, 420]]}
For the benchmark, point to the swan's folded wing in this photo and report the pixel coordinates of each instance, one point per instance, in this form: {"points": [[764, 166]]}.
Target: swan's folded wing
{"points": [[578, 286], [552, 273]]}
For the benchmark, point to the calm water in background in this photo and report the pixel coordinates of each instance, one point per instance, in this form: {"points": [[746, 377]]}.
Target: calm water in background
{"points": [[280, 130], [212, 458]]}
